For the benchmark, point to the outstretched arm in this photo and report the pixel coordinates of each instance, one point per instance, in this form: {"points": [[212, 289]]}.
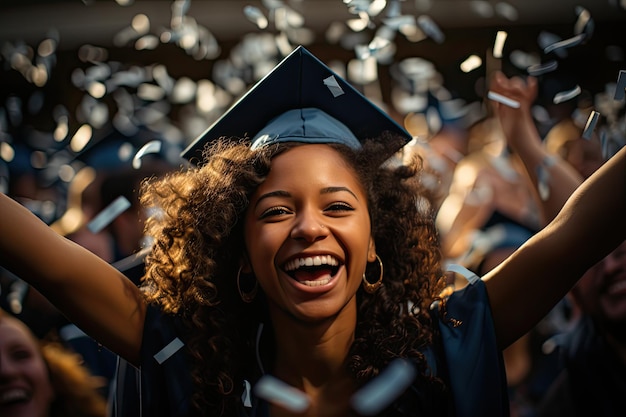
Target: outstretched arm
{"points": [[523, 137], [592, 223], [90, 292]]}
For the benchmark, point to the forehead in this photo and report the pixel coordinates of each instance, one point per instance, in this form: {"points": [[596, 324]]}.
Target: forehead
{"points": [[305, 167], [13, 331], [312, 159]]}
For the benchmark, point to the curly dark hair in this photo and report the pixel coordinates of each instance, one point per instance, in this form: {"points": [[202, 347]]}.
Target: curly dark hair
{"points": [[76, 389], [198, 243], [77, 392]]}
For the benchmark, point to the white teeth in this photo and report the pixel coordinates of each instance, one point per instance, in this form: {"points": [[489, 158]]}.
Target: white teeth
{"points": [[311, 261], [316, 283], [617, 286], [11, 395]]}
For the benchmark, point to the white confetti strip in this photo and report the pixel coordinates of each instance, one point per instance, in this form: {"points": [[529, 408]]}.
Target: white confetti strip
{"points": [[604, 142], [498, 45], [430, 28], [110, 212], [620, 88], [503, 99], [167, 352], [564, 96], [460, 269], [333, 86], [380, 392], [153, 146], [564, 44], [277, 392], [584, 21], [540, 69], [591, 125]]}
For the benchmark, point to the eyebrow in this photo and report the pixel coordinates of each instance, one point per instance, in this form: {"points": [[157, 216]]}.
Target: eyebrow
{"points": [[329, 190], [326, 190]]}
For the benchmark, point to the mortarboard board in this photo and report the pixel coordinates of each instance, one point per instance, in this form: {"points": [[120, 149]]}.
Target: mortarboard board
{"points": [[300, 81]]}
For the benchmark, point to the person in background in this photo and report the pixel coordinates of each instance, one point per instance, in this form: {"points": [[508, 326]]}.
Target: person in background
{"points": [[43, 379], [306, 257], [565, 140], [593, 351]]}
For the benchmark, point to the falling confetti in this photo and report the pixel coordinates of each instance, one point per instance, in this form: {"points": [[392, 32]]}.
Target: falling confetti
{"points": [[381, 391], [277, 392], [150, 147], [591, 125], [564, 44], [503, 99], [110, 212], [564, 96], [540, 69], [620, 88]]}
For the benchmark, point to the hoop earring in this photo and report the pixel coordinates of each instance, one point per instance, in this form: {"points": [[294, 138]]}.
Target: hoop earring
{"points": [[247, 297], [369, 287]]}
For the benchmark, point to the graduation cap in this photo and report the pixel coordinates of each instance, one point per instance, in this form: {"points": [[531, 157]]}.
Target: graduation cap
{"points": [[301, 100]]}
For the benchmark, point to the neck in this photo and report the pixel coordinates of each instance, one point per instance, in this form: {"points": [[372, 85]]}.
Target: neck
{"points": [[310, 356]]}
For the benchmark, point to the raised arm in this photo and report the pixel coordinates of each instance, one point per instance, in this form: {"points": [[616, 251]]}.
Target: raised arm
{"points": [[522, 136], [592, 223], [90, 292]]}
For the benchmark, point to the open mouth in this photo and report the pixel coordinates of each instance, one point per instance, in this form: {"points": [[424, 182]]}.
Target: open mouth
{"points": [[13, 396], [617, 287], [313, 271]]}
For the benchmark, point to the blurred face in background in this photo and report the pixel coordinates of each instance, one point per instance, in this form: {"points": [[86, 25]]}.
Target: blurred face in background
{"points": [[601, 292], [25, 387]]}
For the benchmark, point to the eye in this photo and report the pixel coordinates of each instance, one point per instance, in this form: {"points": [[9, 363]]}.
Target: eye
{"points": [[339, 207], [274, 212], [21, 354]]}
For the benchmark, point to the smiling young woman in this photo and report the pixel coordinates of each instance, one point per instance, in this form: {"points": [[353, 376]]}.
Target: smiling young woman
{"points": [[309, 254], [43, 379]]}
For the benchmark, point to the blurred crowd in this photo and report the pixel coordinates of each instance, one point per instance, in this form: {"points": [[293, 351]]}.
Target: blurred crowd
{"points": [[487, 206]]}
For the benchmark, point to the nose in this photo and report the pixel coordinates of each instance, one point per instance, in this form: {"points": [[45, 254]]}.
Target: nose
{"points": [[6, 368], [309, 226]]}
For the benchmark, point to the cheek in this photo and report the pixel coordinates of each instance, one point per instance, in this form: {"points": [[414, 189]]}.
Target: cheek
{"points": [[262, 245], [41, 377]]}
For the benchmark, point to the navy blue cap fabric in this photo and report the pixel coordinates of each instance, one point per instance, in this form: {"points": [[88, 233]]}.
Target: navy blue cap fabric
{"points": [[308, 125], [299, 81]]}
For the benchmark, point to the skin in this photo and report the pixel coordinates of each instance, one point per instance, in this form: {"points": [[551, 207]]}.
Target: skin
{"points": [[460, 215], [311, 205], [313, 345], [25, 387], [602, 291], [590, 224], [602, 294]]}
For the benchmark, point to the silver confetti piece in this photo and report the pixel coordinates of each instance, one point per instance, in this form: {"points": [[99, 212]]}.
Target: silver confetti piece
{"points": [[277, 392], [564, 96], [564, 44], [590, 125], [430, 28], [620, 88], [380, 392], [503, 99], [333, 86], [106, 216], [540, 69], [150, 147], [256, 16], [584, 23]]}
